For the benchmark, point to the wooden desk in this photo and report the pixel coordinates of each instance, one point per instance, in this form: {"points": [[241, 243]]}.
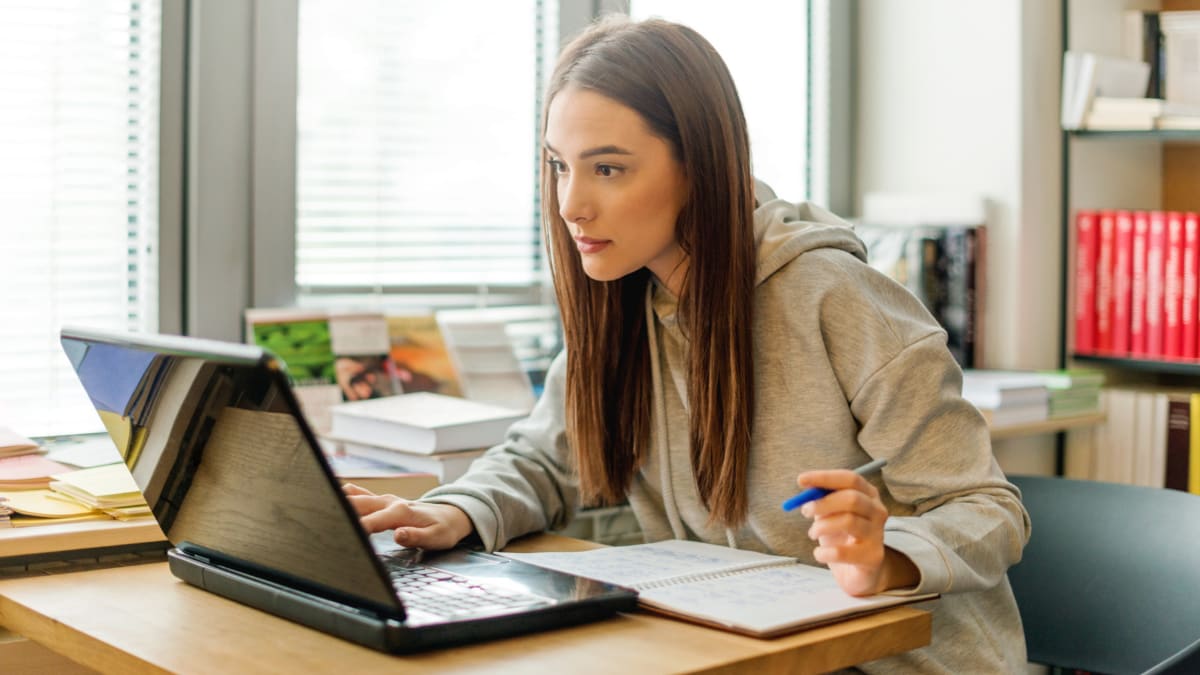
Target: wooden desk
{"points": [[140, 619], [84, 535]]}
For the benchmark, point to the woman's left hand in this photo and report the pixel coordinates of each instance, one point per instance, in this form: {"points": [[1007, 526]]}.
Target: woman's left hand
{"points": [[848, 528]]}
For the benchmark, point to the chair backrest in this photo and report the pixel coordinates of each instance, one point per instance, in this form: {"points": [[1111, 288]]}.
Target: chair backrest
{"points": [[1110, 579]]}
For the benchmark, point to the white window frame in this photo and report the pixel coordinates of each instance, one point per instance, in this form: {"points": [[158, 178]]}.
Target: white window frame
{"points": [[239, 194]]}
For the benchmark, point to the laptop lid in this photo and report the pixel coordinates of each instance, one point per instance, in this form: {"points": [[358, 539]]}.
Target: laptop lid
{"points": [[215, 438]]}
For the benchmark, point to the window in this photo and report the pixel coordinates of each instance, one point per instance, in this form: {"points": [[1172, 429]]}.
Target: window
{"points": [[78, 193], [417, 151], [765, 45]]}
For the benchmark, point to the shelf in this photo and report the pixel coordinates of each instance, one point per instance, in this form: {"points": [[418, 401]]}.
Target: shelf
{"points": [[1049, 426], [1141, 365], [1156, 134]]}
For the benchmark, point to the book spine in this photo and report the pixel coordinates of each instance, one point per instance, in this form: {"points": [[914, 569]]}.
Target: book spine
{"points": [[1154, 54], [1194, 447], [1175, 476], [1137, 300], [1191, 289], [1173, 288], [1104, 281], [1122, 282], [1085, 282], [957, 310], [1155, 278]]}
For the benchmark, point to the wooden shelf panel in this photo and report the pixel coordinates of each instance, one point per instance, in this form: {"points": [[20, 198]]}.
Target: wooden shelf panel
{"points": [[1049, 426]]}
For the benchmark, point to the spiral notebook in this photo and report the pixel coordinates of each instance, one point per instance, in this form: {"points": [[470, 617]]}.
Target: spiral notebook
{"points": [[741, 591]]}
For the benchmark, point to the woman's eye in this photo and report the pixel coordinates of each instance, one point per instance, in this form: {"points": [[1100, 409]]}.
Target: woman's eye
{"points": [[606, 170], [556, 167]]}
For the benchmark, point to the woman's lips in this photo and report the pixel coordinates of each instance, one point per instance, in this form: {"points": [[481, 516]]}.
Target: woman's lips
{"points": [[589, 245]]}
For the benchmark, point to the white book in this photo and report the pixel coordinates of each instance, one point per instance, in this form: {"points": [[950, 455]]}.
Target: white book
{"points": [[445, 466], [994, 389], [422, 422], [1087, 76], [740, 591]]}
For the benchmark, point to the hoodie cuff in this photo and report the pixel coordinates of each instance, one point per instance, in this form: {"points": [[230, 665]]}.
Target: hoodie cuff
{"points": [[935, 572], [482, 518]]}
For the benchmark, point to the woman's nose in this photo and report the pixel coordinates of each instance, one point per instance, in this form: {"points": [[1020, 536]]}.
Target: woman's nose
{"points": [[574, 205]]}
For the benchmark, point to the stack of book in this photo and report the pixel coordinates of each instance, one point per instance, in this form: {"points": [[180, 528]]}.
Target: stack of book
{"points": [[1087, 76], [1119, 114], [422, 432], [333, 357], [382, 477], [1155, 85], [1073, 392], [1005, 397]]}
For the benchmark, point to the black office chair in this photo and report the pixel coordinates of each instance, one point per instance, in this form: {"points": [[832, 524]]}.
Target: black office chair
{"points": [[1110, 579]]}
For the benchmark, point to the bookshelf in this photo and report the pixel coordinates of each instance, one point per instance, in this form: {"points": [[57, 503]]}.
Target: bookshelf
{"points": [[1113, 170], [1152, 169]]}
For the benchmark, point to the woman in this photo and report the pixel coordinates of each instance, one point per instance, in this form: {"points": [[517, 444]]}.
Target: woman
{"points": [[719, 342]]}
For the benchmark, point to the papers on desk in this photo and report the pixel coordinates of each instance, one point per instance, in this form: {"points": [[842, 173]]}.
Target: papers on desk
{"points": [[27, 472], [737, 590], [13, 444], [84, 451], [63, 495], [100, 487]]}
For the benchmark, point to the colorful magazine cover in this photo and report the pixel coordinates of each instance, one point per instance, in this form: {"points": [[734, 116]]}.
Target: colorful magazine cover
{"points": [[420, 357]]}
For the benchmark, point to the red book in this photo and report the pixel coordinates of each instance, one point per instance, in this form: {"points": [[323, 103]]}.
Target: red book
{"points": [[1191, 287], [1156, 251], [1085, 282], [1122, 283], [1173, 288], [1137, 303], [1106, 234]]}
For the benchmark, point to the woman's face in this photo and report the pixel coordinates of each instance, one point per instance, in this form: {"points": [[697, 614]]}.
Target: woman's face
{"points": [[620, 189]]}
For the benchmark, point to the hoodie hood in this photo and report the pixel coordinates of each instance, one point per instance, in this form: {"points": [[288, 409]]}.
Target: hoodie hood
{"points": [[783, 230]]}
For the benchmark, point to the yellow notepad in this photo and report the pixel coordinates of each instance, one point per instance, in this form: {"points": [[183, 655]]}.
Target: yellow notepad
{"points": [[106, 486], [44, 504]]}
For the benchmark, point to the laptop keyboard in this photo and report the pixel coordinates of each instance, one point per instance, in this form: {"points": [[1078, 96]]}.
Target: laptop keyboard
{"points": [[431, 594]]}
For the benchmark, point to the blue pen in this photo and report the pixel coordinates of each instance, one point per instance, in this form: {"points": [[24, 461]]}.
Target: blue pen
{"points": [[815, 493]]}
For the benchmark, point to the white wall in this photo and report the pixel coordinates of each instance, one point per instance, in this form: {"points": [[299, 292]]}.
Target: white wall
{"points": [[962, 95]]}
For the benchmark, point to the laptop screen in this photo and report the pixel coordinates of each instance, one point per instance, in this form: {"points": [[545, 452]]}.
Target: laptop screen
{"points": [[215, 439]]}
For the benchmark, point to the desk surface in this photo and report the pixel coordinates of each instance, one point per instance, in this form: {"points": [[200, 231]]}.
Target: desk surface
{"points": [[140, 619], [63, 537]]}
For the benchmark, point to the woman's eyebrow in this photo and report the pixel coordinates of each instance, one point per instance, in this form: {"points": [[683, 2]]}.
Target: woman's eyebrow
{"points": [[592, 152]]}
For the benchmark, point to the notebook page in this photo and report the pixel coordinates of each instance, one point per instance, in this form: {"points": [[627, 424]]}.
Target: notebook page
{"points": [[650, 564], [764, 601]]}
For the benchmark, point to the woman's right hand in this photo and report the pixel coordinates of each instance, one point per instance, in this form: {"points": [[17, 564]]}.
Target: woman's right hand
{"points": [[416, 524]]}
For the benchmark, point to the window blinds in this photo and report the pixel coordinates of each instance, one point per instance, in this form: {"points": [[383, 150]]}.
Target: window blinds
{"points": [[78, 193], [417, 150]]}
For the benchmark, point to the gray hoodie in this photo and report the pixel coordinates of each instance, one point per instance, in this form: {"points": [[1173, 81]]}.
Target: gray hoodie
{"points": [[849, 366]]}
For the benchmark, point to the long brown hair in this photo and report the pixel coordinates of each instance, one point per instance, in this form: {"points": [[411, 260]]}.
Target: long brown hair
{"points": [[677, 82]]}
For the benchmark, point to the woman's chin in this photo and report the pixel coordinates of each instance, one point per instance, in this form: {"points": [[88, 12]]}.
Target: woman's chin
{"points": [[605, 272]]}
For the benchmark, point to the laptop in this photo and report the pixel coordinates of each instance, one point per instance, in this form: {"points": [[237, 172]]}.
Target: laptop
{"points": [[215, 439]]}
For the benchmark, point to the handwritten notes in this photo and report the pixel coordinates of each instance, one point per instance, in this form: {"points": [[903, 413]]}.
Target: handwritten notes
{"points": [[743, 591]]}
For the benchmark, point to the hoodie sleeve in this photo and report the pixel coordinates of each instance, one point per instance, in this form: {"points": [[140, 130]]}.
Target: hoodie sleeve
{"points": [[525, 484], [963, 524]]}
